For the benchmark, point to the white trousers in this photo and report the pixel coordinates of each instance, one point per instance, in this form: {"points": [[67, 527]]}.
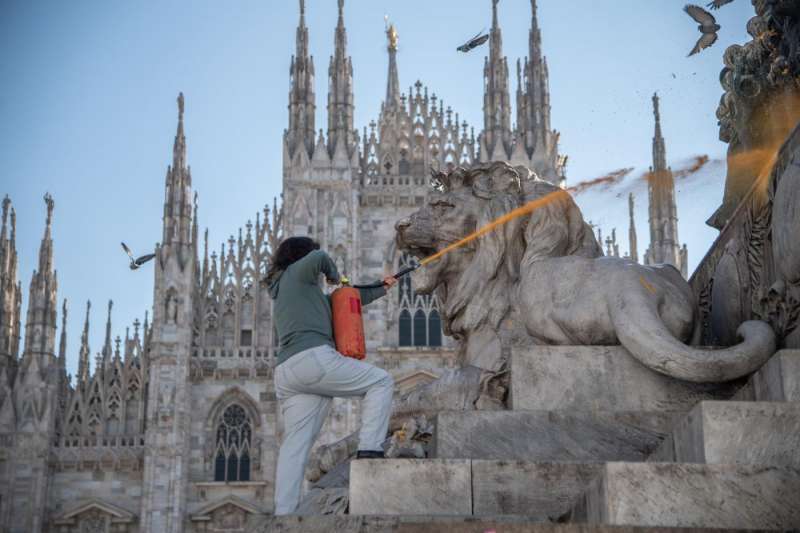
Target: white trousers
{"points": [[305, 385]]}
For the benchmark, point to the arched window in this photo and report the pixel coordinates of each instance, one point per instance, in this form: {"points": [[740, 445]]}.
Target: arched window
{"points": [[404, 167], [419, 322], [420, 328], [232, 454], [434, 329], [405, 328]]}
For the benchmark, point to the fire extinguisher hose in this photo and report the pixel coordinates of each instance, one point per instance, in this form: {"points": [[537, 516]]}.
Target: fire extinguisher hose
{"points": [[399, 275]]}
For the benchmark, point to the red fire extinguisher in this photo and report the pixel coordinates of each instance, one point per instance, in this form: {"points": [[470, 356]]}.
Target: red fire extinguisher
{"points": [[348, 326]]}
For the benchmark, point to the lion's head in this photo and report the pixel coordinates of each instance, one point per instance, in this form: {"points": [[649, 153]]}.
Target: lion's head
{"points": [[520, 220]]}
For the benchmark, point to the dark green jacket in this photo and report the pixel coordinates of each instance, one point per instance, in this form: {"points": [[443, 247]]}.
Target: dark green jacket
{"points": [[302, 312]]}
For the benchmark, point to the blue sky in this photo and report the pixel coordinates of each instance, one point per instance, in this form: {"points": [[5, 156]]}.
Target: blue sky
{"points": [[88, 110]]}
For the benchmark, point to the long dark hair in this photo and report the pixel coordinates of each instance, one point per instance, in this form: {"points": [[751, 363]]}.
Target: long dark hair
{"points": [[289, 251]]}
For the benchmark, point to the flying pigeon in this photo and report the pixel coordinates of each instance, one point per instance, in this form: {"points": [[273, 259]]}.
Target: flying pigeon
{"points": [[474, 42], [138, 261], [716, 4], [708, 27]]}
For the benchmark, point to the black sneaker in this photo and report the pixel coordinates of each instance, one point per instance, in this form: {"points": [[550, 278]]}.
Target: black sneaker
{"points": [[369, 454]]}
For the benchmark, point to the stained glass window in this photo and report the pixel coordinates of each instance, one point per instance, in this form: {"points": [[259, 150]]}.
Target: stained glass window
{"points": [[232, 454], [419, 322]]}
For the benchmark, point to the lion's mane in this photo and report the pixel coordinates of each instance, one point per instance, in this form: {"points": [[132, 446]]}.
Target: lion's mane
{"points": [[548, 224]]}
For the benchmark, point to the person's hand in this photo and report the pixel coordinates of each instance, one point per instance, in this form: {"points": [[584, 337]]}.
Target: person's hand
{"points": [[389, 282]]}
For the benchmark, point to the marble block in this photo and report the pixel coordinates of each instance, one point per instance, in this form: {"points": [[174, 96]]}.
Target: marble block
{"points": [[776, 381], [410, 487], [550, 435], [543, 491], [437, 524], [693, 495], [600, 378], [758, 433]]}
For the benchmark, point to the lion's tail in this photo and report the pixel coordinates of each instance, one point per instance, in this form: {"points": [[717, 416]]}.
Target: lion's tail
{"points": [[644, 335]]}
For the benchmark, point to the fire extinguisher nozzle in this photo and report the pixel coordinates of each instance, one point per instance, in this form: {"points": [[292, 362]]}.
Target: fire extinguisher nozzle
{"points": [[406, 270]]}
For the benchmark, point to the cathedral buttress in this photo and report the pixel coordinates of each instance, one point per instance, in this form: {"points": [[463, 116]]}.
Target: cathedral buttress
{"points": [[35, 394], [167, 418]]}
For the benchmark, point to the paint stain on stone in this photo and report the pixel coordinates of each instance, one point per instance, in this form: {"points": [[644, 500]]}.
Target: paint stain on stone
{"points": [[646, 285]]}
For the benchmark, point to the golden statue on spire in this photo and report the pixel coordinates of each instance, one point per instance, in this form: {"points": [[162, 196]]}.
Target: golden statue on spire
{"points": [[391, 34]]}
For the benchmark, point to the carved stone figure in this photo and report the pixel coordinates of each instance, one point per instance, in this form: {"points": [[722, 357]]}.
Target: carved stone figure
{"points": [[761, 102], [539, 277], [172, 308]]}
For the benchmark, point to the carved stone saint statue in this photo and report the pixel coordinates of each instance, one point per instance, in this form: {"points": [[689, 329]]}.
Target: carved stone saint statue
{"points": [[172, 309]]}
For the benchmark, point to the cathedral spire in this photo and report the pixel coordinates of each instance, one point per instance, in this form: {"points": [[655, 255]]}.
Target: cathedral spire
{"points": [[107, 344], [10, 291], [178, 196], [179, 146], [62, 346], [496, 99], [40, 326], [663, 213], [393, 79], [4, 227], [634, 249], [659, 147], [534, 101], [302, 100], [340, 92], [83, 356]]}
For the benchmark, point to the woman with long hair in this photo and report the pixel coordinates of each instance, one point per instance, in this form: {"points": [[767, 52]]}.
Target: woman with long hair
{"points": [[310, 372]]}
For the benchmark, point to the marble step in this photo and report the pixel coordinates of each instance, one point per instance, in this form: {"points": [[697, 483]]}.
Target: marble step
{"points": [[600, 378], [777, 381], [540, 491], [550, 435], [411, 487], [437, 524], [758, 433], [692, 495]]}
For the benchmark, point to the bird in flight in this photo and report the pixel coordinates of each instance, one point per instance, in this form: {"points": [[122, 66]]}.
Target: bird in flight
{"points": [[136, 262], [708, 27], [474, 42], [716, 4]]}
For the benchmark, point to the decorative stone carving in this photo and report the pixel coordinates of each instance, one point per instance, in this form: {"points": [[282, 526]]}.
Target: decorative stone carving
{"points": [[95, 516], [764, 228], [229, 515], [761, 102], [538, 277], [93, 522], [171, 308]]}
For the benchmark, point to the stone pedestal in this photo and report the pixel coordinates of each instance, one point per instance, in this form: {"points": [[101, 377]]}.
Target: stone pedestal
{"points": [[543, 491], [776, 381], [410, 487], [693, 495], [600, 378], [551, 435], [758, 433]]}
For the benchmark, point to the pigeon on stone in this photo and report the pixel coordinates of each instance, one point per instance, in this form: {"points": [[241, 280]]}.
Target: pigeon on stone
{"points": [[716, 4], [474, 42], [138, 261], [708, 27]]}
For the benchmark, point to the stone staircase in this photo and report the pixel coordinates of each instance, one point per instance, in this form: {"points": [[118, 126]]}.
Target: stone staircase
{"points": [[595, 439]]}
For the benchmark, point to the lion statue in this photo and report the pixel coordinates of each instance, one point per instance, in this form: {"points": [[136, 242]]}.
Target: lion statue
{"points": [[536, 274]]}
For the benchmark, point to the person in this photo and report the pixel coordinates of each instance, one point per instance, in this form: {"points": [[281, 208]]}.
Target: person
{"points": [[310, 372]]}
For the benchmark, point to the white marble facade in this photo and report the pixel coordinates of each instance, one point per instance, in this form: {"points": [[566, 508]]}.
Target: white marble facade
{"points": [[175, 426]]}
